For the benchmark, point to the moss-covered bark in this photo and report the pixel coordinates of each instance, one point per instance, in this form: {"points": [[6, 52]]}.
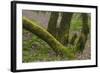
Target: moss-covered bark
{"points": [[85, 26], [53, 23], [73, 38], [84, 33], [46, 36], [64, 27]]}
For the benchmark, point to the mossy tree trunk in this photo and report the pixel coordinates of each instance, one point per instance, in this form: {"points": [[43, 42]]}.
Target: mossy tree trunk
{"points": [[53, 23], [74, 36], [47, 37], [85, 26], [64, 27], [84, 33]]}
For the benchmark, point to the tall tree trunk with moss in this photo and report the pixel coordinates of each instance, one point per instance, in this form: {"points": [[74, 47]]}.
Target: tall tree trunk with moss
{"points": [[85, 26], [64, 27], [33, 27], [53, 23], [84, 33]]}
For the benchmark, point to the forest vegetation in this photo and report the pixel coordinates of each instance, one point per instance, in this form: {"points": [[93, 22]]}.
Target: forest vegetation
{"points": [[55, 36]]}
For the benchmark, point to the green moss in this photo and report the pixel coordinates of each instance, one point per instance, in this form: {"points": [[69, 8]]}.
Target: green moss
{"points": [[76, 22]]}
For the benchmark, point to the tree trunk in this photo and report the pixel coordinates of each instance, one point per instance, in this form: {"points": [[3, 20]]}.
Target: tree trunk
{"points": [[85, 26], [64, 27], [73, 38], [53, 23], [47, 37], [84, 33]]}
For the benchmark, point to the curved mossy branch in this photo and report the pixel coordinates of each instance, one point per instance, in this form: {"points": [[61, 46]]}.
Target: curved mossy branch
{"points": [[47, 37]]}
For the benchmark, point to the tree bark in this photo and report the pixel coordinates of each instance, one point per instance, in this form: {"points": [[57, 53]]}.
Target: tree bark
{"points": [[85, 26], [73, 38], [64, 27], [47, 37], [53, 23], [84, 33]]}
